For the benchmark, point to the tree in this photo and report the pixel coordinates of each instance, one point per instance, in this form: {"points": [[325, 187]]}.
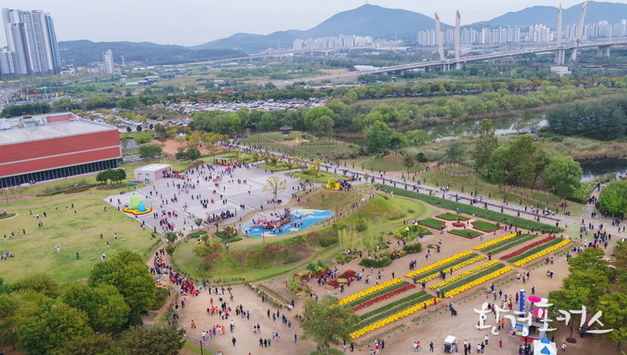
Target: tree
{"points": [[454, 152], [378, 137], [4, 288], [153, 341], [417, 137], [614, 308], [596, 281], [192, 154], [56, 324], [127, 272], [613, 197], [484, 146], [104, 304], [118, 175], [569, 299], [41, 283], [563, 175], [327, 321], [518, 161], [275, 185], [92, 344], [323, 125], [314, 113], [147, 151]]}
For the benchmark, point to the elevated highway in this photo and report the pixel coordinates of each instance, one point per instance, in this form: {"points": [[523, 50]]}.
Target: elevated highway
{"points": [[451, 63]]}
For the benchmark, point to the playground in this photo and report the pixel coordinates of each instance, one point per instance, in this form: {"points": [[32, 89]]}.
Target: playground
{"points": [[268, 224]]}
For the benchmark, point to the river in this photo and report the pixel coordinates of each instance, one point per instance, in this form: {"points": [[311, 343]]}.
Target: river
{"points": [[503, 126]]}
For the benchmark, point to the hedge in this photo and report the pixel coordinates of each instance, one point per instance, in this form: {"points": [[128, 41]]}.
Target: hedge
{"points": [[383, 262], [197, 234], [413, 248], [472, 210], [466, 233]]}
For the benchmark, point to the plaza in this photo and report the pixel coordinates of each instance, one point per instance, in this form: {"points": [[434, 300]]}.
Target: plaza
{"points": [[212, 191]]}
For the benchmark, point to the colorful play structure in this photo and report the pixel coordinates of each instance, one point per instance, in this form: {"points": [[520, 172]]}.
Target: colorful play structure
{"points": [[270, 222], [137, 207]]}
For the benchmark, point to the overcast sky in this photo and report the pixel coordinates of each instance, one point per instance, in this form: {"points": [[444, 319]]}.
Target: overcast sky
{"points": [[192, 22]]}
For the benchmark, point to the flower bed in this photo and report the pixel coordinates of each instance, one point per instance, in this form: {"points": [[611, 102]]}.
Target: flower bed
{"points": [[393, 318], [374, 316], [467, 286], [452, 217], [485, 226], [433, 223], [459, 224], [410, 232], [439, 263], [378, 293], [495, 241], [535, 250], [466, 233], [369, 291], [542, 253], [384, 296], [526, 248], [476, 276], [511, 243], [455, 265], [464, 274]]}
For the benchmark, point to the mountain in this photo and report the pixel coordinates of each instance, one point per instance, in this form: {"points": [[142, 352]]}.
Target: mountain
{"points": [[547, 15], [366, 20], [83, 52]]}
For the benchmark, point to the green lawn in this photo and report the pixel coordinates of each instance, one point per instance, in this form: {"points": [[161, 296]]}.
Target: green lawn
{"points": [[466, 233], [36, 251]]}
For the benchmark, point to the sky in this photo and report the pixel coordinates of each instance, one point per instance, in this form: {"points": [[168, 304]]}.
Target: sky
{"points": [[193, 22]]}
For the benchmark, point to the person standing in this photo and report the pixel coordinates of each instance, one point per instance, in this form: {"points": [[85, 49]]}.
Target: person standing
{"points": [[563, 346], [233, 340], [431, 346]]}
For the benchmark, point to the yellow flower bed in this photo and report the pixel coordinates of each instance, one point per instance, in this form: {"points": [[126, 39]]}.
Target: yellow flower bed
{"points": [[439, 263], [542, 253], [492, 242], [456, 267], [392, 318], [464, 274], [368, 291], [478, 281]]}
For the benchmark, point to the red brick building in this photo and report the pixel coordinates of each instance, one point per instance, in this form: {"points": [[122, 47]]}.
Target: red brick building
{"points": [[54, 146]]}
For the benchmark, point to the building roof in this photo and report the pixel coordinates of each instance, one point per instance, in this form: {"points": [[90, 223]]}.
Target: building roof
{"points": [[154, 167], [28, 129]]}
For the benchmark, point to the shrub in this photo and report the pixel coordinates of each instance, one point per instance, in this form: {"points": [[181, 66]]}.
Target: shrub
{"points": [[197, 234], [361, 225], [413, 248], [327, 241], [382, 262]]}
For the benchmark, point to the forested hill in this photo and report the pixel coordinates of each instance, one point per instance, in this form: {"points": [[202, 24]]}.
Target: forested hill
{"points": [[83, 52]]}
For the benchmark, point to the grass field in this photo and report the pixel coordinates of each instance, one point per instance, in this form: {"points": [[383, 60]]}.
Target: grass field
{"points": [[36, 251]]}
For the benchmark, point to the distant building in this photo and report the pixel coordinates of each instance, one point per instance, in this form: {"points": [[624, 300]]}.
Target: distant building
{"points": [[54, 146], [108, 62], [32, 43]]}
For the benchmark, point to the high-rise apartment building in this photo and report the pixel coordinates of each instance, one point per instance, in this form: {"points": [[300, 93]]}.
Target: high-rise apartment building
{"points": [[108, 61], [32, 43]]}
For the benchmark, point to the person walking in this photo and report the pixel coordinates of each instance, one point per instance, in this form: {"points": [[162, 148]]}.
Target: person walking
{"points": [[431, 346], [563, 346], [233, 340]]}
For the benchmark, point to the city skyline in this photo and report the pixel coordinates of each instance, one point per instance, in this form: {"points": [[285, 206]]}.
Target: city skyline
{"points": [[32, 45], [194, 22]]}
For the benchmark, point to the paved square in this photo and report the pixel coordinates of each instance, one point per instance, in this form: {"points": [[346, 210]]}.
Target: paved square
{"points": [[176, 201]]}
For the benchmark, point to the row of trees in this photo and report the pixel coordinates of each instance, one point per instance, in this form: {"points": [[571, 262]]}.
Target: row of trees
{"points": [[337, 115], [591, 283], [603, 119], [522, 161], [42, 319], [115, 175]]}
